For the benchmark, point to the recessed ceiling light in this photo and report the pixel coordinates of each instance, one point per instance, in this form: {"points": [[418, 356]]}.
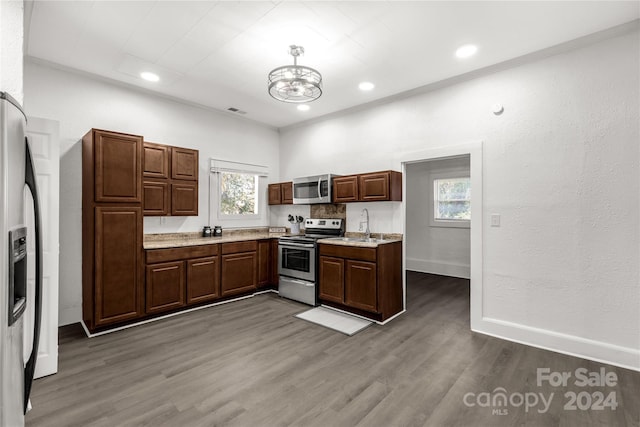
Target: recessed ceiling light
{"points": [[466, 50], [366, 86], [303, 107], [148, 76]]}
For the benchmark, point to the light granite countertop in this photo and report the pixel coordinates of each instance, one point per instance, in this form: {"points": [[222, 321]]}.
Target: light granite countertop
{"points": [[179, 240]]}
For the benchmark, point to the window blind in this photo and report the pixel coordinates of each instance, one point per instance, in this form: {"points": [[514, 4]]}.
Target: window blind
{"points": [[237, 167]]}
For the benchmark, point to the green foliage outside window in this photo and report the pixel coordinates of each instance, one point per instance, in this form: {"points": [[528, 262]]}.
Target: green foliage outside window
{"points": [[452, 199], [238, 194]]}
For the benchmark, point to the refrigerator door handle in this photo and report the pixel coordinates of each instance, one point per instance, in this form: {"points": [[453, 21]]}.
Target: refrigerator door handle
{"points": [[29, 370]]}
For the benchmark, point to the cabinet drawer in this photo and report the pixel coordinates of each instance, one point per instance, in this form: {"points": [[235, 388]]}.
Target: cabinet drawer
{"points": [[351, 252], [236, 247], [175, 254]]}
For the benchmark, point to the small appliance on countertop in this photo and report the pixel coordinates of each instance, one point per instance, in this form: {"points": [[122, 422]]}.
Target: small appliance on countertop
{"points": [[298, 259]]}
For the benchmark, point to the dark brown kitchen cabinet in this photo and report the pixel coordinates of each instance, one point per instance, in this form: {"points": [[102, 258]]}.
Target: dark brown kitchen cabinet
{"points": [[360, 290], [273, 263], [380, 186], [182, 276], [155, 160], [113, 292], [281, 193], [171, 180], [364, 281], [345, 189], [156, 198], [203, 279], [117, 160], [184, 198], [264, 252], [112, 266], [239, 266], [165, 286], [331, 277], [368, 187], [184, 164]]}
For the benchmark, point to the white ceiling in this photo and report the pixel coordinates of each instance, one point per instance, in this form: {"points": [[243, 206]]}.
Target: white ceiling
{"points": [[218, 54]]}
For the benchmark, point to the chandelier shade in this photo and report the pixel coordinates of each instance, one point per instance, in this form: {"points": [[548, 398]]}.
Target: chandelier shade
{"points": [[295, 83]]}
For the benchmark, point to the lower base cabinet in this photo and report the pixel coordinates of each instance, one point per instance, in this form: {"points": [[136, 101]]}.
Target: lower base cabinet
{"points": [[165, 287], [203, 279], [365, 281], [239, 264]]}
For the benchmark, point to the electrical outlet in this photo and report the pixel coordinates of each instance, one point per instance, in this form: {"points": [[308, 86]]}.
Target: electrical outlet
{"points": [[495, 220]]}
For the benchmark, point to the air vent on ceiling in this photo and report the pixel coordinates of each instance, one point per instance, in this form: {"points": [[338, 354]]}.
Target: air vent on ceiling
{"points": [[235, 110]]}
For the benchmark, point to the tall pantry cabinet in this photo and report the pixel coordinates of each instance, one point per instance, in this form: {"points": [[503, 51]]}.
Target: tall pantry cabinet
{"points": [[113, 275]]}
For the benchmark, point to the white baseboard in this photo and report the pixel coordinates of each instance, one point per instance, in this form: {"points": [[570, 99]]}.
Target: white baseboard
{"points": [[571, 345], [438, 267], [69, 315]]}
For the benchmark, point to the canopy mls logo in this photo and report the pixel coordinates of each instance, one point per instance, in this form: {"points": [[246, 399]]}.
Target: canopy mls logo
{"points": [[500, 400]]}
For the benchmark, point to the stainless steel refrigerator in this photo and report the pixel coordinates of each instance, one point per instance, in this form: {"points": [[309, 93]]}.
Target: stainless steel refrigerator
{"points": [[16, 172]]}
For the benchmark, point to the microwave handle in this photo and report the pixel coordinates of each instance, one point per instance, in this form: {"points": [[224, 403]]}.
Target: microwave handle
{"points": [[320, 187]]}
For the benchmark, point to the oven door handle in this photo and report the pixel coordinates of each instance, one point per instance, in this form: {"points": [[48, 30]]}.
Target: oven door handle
{"points": [[302, 282], [298, 245]]}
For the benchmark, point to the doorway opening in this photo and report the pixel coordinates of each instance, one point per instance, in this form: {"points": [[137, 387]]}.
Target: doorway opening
{"points": [[443, 226]]}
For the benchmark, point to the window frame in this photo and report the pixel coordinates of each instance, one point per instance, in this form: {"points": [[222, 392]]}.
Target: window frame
{"points": [[445, 223], [216, 217]]}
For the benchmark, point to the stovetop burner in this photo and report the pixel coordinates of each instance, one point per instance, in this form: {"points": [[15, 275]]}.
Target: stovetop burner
{"points": [[316, 228]]}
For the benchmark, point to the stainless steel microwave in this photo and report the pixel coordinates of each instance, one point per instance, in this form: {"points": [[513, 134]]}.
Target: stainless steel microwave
{"points": [[312, 189]]}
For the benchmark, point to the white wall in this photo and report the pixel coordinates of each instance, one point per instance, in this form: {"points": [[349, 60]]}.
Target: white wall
{"points": [[430, 249], [561, 167], [80, 103], [11, 40]]}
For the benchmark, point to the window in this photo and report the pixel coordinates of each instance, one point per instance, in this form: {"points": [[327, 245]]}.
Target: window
{"points": [[451, 201], [238, 194]]}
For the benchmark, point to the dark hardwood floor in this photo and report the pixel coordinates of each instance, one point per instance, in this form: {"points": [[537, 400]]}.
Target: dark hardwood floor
{"points": [[251, 363]]}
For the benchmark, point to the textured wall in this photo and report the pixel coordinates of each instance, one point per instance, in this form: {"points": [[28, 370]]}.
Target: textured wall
{"points": [[80, 103], [561, 167], [11, 40]]}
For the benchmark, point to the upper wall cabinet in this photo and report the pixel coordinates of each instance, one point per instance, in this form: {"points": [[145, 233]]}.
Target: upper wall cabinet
{"points": [[281, 193], [368, 187], [184, 164], [170, 180], [156, 160], [117, 166]]}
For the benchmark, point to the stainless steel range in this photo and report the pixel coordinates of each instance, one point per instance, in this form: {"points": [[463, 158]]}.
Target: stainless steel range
{"points": [[297, 259]]}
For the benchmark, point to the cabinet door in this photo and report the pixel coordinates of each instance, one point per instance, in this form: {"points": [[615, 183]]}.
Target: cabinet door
{"points": [[156, 198], [360, 285], [118, 248], [239, 273], [184, 199], [345, 189], [331, 279], [263, 262], [287, 193], [374, 186], [273, 267], [117, 167], [155, 160], [275, 194], [184, 164], [165, 286], [203, 279]]}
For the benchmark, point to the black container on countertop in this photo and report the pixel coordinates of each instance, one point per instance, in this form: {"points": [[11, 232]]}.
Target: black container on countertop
{"points": [[217, 231], [206, 231]]}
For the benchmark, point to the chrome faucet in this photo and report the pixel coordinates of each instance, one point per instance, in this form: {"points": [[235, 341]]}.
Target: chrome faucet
{"points": [[367, 233]]}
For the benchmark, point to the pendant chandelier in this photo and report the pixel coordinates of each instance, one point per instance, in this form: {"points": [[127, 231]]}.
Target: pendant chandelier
{"points": [[295, 83]]}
